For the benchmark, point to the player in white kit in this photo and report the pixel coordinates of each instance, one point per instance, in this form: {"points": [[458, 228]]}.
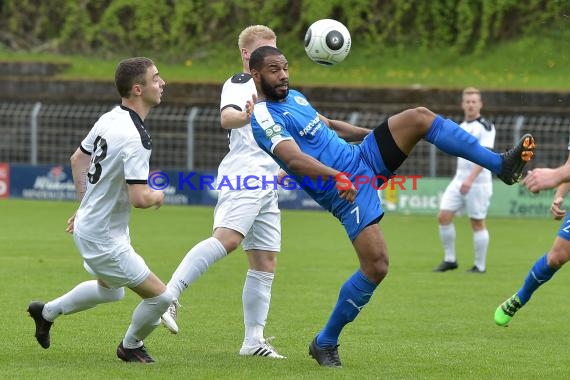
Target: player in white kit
{"points": [[471, 189], [110, 171], [249, 216]]}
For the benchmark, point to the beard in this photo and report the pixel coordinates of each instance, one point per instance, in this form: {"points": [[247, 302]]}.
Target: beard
{"points": [[271, 93]]}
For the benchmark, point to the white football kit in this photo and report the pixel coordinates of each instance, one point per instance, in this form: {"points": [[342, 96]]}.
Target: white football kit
{"points": [[477, 200], [252, 211], [120, 149]]}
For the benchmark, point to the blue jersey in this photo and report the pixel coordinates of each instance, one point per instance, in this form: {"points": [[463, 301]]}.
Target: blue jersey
{"points": [[295, 119]]}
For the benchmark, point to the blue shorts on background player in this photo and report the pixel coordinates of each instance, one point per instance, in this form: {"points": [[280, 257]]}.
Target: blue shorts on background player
{"points": [[305, 143]]}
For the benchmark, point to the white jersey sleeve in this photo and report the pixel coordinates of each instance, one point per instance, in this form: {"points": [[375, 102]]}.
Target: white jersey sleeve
{"points": [[237, 91], [245, 157], [136, 162], [88, 143]]}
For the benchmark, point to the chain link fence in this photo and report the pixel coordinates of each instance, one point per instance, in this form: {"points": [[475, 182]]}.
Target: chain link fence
{"points": [[190, 138]]}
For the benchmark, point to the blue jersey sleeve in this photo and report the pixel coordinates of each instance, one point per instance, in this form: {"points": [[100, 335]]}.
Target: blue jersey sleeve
{"points": [[268, 128]]}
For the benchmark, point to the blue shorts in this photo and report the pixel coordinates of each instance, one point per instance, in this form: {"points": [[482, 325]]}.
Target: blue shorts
{"points": [[564, 230], [367, 208]]}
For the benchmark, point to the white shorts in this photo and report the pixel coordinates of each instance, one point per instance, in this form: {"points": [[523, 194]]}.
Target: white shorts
{"points": [[116, 264], [254, 214], [476, 201]]}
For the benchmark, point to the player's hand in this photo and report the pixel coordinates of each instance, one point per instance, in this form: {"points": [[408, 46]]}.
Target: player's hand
{"points": [[556, 208], [160, 198], [250, 104], [282, 177], [346, 189], [70, 224], [541, 179], [465, 187]]}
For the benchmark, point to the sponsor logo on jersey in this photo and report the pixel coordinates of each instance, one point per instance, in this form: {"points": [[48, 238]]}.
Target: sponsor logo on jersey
{"points": [[274, 130], [311, 128]]}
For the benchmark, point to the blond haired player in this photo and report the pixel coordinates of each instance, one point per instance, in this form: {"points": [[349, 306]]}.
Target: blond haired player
{"points": [[247, 216]]}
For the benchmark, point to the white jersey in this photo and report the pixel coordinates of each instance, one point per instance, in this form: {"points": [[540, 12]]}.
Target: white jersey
{"points": [[245, 158], [484, 131], [120, 149]]}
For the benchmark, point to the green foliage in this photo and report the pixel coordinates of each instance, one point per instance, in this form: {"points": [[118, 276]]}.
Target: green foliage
{"points": [[128, 27], [466, 18], [77, 29], [33, 21], [187, 21], [190, 29], [537, 62]]}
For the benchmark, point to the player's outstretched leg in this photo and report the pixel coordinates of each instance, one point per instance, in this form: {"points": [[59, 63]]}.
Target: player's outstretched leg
{"points": [[507, 310], [135, 355], [42, 325], [453, 140], [516, 158], [325, 356], [168, 319]]}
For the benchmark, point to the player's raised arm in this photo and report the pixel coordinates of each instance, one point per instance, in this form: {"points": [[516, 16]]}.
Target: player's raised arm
{"points": [[306, 166], [231, 118], [547, 178]]}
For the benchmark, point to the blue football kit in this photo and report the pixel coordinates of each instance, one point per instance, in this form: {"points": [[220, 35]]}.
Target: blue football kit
{"points": [[295, 119]]}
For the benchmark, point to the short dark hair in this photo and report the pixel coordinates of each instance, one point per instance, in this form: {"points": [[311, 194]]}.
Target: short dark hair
{"points": [[131, 71], [258, 56]]}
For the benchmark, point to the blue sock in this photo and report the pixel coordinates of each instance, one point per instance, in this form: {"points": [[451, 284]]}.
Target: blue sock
{"points": [[354, 294], [538, 275], [452, 139]]}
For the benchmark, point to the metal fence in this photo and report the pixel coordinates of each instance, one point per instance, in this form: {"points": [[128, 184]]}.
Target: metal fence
{"points": [[190, 138]]}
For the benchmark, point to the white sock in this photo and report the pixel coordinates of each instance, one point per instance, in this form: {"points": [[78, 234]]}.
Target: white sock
{"points": [[256, 297], [481, 243], [194, 264], [85, 295], [146, 317], [447, 236]]}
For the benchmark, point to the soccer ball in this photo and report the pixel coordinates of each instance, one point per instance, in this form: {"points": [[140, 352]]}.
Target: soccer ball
{"points": [[327, 42]]}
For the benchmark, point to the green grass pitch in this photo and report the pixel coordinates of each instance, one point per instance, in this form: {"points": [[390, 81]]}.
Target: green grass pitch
{"points": [[418, 325]]}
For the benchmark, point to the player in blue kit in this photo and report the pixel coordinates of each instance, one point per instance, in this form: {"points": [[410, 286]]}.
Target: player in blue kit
{"points": [[544, 268], [307, 144]]}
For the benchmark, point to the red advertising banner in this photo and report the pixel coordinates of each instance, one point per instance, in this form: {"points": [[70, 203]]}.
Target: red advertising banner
{"points": [[4, 180]]}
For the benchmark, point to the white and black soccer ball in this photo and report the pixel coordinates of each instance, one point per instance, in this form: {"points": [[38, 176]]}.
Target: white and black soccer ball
{"points": [[327, 42]]}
